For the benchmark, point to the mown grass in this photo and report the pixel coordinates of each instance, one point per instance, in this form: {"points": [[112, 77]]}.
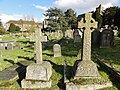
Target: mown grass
{"points": [[6, 38], [110, 56]]}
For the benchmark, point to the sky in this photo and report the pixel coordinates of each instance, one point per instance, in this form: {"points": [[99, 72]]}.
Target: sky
{"points": [[27, 9]]}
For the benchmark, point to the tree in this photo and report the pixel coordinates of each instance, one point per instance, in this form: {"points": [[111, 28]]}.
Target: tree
{"points": [[98, 17], [2, 30], [109, 14], [13, 28], [117, 18], [56, 19], [70, 17]]}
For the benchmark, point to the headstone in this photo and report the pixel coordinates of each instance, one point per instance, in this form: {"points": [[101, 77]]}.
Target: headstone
{"points": [[77, 36], [86, 68], [96, 38], [39, 72], [69, 33], [115, 30], [9, 46], [57, 50], [107, 38]]}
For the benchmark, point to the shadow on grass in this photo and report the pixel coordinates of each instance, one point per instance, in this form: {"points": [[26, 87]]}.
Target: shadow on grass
{"points": [[21, 70], [59, 69], [47, 54], [27, 58], [111, 76]]}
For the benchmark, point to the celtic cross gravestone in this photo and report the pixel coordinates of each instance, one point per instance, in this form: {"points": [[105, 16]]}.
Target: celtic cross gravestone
{"points": [[86, 68]]}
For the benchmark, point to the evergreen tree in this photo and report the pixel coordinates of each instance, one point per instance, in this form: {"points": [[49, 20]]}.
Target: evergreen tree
{"points": [[108, 15], [2, 30], [70, 17], [98, 17]]}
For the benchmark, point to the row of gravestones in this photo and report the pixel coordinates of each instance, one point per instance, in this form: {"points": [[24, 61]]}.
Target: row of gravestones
{"points": [[102, 39]]}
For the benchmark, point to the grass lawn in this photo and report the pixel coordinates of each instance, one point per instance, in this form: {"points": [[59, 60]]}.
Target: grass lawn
{"points": [[69, 54]]}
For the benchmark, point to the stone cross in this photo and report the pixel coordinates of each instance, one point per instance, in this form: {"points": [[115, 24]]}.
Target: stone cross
{"points": [[39, 40], [87, 25]]}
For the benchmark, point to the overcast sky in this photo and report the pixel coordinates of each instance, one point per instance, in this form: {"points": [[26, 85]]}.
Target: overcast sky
{"points": [[18, 9]]}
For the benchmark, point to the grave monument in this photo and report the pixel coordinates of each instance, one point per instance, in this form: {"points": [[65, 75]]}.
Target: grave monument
{"points": [[39, 72], [57, 50], [87, 68]]}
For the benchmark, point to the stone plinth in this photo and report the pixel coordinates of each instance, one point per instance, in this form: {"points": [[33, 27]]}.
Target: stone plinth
{"points": [[86, 69], [38, 76], [72, 86], [31, 84], [39, 71]]}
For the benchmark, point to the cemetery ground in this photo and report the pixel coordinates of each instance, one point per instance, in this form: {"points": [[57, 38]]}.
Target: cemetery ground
{"points": [[23, 54]]}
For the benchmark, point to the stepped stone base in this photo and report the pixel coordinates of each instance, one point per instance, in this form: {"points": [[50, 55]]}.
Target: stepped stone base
{"points": [[41, 72], [86, 69], [71, 86], [38, 76], [32, 84]]}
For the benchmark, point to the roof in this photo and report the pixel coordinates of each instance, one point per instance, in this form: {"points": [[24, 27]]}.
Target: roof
{"points": [[22, 22]]}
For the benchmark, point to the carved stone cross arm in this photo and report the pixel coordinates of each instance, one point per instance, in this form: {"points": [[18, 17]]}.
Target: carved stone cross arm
{"points": [[87, 23]]}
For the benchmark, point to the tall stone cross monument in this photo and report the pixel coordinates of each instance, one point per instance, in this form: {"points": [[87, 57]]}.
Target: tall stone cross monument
{"points": [[87, 68], [39, 72], [39, 40]]}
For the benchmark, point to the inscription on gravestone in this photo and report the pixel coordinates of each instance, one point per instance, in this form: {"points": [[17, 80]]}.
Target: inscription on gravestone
{"points": [[107, 38]]}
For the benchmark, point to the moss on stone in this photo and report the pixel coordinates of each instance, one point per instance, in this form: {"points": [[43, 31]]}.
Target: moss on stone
{"points": [[86, 81]]}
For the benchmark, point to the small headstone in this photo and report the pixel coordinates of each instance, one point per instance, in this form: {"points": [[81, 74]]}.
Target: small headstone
{"points": [[107, 38], [95, 38], [76, 35], [9, 46], [57, 50]]}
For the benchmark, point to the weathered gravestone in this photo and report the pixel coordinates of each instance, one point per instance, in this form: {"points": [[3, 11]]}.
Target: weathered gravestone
{"points": [[39, 72], [77, 36], [87, 68], [69, 33], [9, 46], [107, 38], [95, 38], [57, 50]]}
